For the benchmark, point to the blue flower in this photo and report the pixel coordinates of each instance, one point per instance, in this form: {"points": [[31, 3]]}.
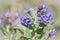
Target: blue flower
{"points": [[26, 21]]}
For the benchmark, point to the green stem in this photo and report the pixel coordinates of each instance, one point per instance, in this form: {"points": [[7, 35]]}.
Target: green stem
{"points": [[7, 28]]}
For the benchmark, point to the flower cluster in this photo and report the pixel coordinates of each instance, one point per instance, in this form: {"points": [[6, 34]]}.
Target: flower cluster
{"points": [[37, 20], [45, 15], [7, 18]]}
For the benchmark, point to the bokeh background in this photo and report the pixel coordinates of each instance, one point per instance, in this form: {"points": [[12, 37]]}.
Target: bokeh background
{"points": [[19, 5]]}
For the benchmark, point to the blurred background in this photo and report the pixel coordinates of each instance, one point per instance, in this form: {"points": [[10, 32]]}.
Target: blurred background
{"points": [[19, 5]]}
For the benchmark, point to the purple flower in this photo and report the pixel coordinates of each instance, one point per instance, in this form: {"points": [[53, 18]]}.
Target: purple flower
{"points": [[49, 15], [40, 7], [46, 18], [47, 12], [17, 15], [40, 20], [29, 24], [40, 10], [27, 11], [43, 19], [7, 15], [42, 16], [53, 33], [2, 23], [13, 22], [43, 6], [26, 21], [51, 21]]}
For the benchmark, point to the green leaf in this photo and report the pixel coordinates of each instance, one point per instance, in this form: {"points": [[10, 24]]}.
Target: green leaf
{"points": [[17, 35], [27, 33]]}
